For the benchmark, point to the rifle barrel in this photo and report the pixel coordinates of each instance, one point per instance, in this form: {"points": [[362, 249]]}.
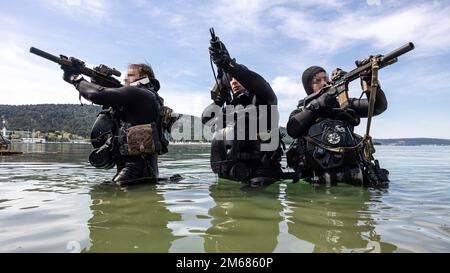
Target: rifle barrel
{"points": [[355, 73], [399, 51], [44, 54]]}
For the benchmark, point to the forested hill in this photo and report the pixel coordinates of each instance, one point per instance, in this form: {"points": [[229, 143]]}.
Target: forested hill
{"points": [[72, 118], [78, 120]]}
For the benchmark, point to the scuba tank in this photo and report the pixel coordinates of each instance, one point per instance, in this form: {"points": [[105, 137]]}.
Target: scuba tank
{"points": [[102, 128], [101, 158], [102, 140]]}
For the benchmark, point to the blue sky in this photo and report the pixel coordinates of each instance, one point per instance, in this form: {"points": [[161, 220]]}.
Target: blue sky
{"points": [[277, 39]]}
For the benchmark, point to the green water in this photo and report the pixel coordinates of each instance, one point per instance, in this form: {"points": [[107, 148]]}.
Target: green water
{"points": [[51, 200]]}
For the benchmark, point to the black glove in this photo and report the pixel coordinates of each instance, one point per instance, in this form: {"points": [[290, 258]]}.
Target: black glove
{"points": [[219, 54], [322, 103], [366, 77], [71, 75], [349, 115]]}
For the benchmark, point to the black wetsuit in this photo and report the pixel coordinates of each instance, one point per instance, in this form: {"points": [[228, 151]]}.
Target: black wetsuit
{"points": [[315, 162], [136, 106], [258, 164]]}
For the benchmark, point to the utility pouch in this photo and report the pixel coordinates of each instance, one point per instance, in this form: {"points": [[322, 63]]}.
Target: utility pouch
{"points": [[140, 139]]}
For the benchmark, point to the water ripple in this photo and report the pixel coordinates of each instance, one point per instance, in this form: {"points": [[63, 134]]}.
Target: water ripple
{"points": [[52, 200]]}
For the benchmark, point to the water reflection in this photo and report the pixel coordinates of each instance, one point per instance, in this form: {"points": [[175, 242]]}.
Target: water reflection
{"points": [[244, 220], [51, 201], [336, 219], [129, 220]]}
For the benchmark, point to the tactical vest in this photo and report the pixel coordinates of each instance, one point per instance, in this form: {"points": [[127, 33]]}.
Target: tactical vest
{"points": [[113, 139], [239, 159], [329, 152]]}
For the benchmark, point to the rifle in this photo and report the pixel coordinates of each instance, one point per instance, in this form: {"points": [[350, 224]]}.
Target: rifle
{"points": [[102, 74], [338, 86], [219, 93]]}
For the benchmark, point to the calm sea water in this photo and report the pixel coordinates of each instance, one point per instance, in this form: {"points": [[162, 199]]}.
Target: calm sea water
{"points": [[51, 200]]}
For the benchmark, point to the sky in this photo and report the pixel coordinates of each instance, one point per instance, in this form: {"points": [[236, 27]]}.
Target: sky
{"points": [[277, 39]]}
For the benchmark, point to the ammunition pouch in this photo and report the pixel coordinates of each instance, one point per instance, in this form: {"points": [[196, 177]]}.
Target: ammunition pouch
{"points": [[139, 140]]}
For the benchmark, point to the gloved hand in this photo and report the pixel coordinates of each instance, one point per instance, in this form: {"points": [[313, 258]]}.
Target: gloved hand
{"points": [[366, 77], [349, 115], [219, 54], [322, 103], [366, 81], [71, 75]]}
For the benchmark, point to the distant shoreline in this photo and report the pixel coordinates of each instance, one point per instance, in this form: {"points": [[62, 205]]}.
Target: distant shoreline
{"points": [[209, 143], [70, 122], [412, 142]]}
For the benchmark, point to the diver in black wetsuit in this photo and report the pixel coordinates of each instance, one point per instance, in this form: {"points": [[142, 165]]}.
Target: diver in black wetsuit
{"points": [[243, 159], [133, 114], [313, 79], [320, 122]]}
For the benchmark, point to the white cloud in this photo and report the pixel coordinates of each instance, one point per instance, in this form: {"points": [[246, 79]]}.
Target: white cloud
{"points": [[185, 101], [242, 15], [289, 91], [257, 34], [322, 4], [29, 79], [409, 124], [427, 25], [287, 86], [407, 127], [93, 9], [419, 81]]}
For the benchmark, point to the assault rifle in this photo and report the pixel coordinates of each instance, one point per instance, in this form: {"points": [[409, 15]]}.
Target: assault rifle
{"points": [[102, 74], [220, 92], [338, 86]]}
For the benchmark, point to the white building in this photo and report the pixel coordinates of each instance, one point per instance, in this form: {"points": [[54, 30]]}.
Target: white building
{"points": [[33, 140]]}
